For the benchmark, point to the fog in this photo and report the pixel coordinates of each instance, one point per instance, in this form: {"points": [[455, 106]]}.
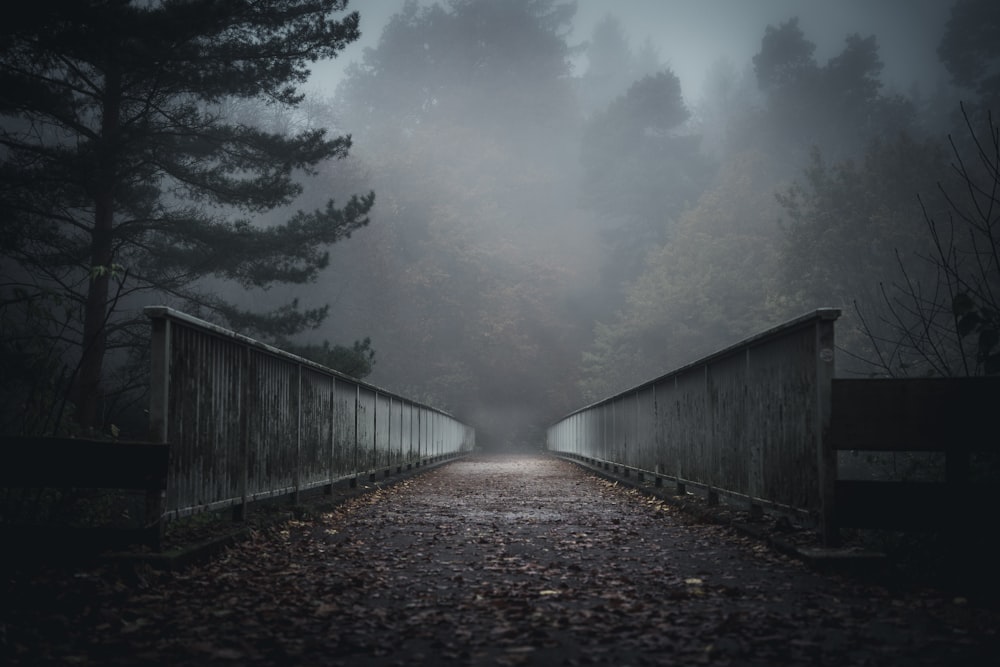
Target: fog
{"points": [[690, 36], [574, 199]]}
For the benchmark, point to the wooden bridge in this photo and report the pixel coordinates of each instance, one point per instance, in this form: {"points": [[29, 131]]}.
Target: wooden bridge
{"points": [[763, 424], [510, 561], [766, 424]]}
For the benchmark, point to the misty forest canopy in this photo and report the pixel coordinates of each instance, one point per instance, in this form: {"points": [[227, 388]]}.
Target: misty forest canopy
{"points": [[557, 220], [125, 171], [560, 220]]}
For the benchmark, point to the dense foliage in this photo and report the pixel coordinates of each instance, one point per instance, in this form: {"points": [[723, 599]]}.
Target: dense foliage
{"points": [[503, 272], [556, 220], [126, 171]]}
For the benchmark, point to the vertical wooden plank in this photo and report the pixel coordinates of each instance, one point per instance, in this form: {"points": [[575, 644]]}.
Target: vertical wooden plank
{"points": [[752, 435], [332, 445], [297, 458], [357, 417], [410, 455], [402, 454], [708, 455], [246, 420], [159, 388], [159, 391], [243, 408], [675, 443], [826, 456]]}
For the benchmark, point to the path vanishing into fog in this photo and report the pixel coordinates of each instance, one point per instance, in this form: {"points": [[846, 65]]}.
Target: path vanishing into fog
{"points": [[497, 561]]}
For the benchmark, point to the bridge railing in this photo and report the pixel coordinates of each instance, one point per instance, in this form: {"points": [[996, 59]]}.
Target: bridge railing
{"points": [[246, 421], [747, 421]]}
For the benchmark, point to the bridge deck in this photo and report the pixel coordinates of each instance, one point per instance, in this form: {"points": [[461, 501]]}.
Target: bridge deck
{"points": [[507, 561]]}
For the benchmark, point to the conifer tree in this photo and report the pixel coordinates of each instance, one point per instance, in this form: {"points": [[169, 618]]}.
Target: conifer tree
{"points": [[122, 170]]}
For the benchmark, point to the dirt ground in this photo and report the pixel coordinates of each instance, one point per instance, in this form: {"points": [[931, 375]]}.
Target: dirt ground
{"points": [[488, 561]]}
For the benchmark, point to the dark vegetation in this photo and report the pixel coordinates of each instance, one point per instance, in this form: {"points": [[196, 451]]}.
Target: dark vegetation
{"points": [[548, 208], [507, 561], [680, 227], [134, 171], [556, 220]]}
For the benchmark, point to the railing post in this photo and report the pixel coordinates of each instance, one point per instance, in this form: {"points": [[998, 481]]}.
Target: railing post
{"points": [[328, 489], [357, 422], [297, 477], [678, 470], [240, 510], [755, 465], [399, 461], [159, 430], [712, 495], [159, 387], [212, 389], [826, 455], [409, 462], [374, 465]]}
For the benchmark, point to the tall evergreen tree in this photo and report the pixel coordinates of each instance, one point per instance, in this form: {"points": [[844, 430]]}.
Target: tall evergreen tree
{"points": [[970, 50], [641, 169], [466, 114], [610, 67], [839, 106], [120, 170]]}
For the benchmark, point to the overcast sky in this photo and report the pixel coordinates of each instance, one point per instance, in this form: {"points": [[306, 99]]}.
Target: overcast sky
{"points": [[692, 34]]}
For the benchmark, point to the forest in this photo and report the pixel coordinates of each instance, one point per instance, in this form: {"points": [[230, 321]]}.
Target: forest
{"points": [[485, 213]]}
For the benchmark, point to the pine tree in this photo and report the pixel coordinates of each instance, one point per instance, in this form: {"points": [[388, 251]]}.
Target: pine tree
{"points": [[122, 170]]}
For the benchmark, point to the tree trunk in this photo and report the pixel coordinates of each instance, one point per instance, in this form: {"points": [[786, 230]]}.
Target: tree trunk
{"points": [[88, 385], [95, 316]]}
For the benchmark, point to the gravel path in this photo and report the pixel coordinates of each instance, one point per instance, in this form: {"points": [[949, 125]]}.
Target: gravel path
{"points": [[491, 561]]}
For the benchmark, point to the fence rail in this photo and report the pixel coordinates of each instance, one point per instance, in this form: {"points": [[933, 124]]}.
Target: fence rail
{"points": [[746, 421], [950, 416], [246, 421], [765, 420], [77, 467]]}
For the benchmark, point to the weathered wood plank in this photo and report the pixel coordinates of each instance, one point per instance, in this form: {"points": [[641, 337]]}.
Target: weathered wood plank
{"points": [[747, 420], [248, 421]]}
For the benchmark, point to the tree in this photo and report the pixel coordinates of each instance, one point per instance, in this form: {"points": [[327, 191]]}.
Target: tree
{"points": [[505, 62], [711, 283], [843, 220], [838, 107], [465, 113], [785, 58], [728, 105], [356, 361], [610, 66], [941, 313], [123, 173], [970, 49], [640, 170]]}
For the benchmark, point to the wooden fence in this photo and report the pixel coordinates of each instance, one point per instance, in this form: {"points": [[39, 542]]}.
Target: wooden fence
{"points": [[246, 421], [78, 466], [952, 417], [763, 421]]}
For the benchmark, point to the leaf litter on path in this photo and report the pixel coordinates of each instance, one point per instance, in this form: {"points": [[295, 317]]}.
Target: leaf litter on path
{"points": [[493, 561]]}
